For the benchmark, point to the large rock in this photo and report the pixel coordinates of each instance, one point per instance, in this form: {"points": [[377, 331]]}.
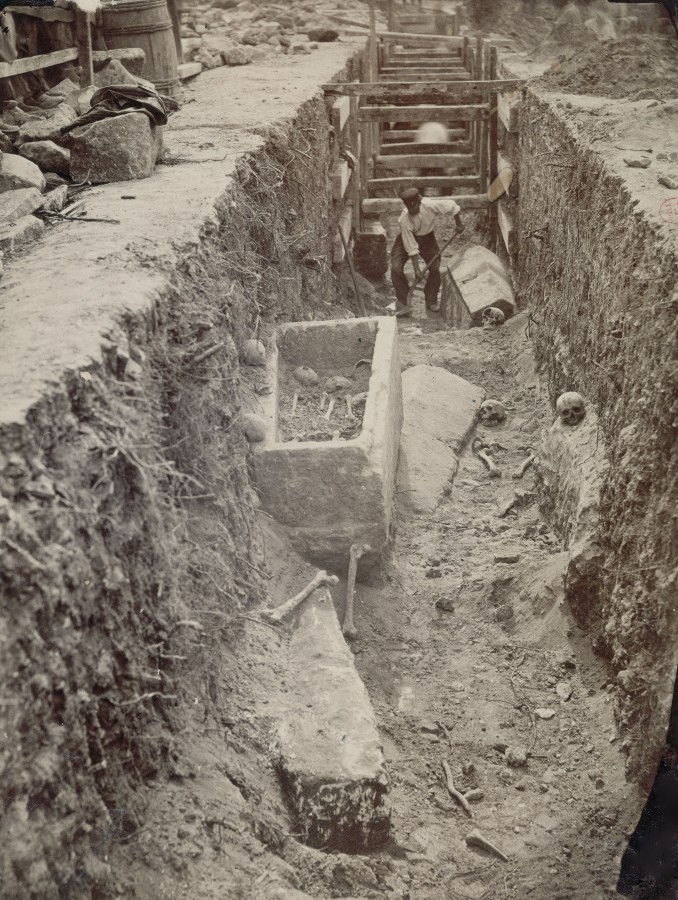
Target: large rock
{"points": [[131, 58], [47, 129], [122, 148], [323, 35], [572, 465], [237, 56], [15, 235], [439, 412], [16, 204], [17, 172], [330, 755], [50, 157]]}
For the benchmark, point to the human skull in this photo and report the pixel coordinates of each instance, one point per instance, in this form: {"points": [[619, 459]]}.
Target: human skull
{"points": [[492, 412], [492, 316], [571, 408], [337, 383], [306, 376]]}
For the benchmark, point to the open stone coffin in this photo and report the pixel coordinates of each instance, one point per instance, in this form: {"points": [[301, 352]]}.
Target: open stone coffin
{"points": [[334, 493]]}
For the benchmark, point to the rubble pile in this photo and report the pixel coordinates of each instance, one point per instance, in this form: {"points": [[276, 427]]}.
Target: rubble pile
{"points": [[232, 33], [42, 151]]}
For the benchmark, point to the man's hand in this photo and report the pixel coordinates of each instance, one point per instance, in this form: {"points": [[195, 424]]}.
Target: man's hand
{"points": [[459, 223], [416, 262]]}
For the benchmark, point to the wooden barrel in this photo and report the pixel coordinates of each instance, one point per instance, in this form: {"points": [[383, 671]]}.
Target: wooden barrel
{"points": [[145, 24]]}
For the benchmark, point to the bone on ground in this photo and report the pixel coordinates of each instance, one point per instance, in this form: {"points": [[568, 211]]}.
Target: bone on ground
{"points": [[295, 400], [479, 449], [278, 614], [355, 553], [329, 409], [524, 466]]}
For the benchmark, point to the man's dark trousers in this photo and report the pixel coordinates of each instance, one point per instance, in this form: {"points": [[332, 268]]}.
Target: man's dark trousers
{"points": [[428, 247]]}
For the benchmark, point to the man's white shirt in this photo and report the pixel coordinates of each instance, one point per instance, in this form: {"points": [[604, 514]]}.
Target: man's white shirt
{"points": [[425, 219]]}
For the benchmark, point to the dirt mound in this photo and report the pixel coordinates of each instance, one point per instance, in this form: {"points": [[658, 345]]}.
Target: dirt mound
{"points": [[618, 68]]}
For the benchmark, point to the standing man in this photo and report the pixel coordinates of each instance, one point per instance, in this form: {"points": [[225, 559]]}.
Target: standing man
{"points": [[417, 241]]}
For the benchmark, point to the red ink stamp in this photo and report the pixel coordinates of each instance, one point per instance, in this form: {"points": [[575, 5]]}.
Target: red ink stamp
{"points": [[668, 211]]}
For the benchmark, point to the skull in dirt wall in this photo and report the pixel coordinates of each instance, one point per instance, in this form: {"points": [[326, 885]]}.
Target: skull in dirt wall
{"points": [[571, 408]]}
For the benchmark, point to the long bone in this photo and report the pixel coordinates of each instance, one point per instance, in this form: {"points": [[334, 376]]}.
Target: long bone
{"points": [[278, 614], [349, 408], [355, 553], [524, 466], [295, 400], [323, 401], [329, 409], [479, 448]]}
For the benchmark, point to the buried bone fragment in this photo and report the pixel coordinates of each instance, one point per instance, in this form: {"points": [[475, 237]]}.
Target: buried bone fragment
{"points": [[571, 408]]}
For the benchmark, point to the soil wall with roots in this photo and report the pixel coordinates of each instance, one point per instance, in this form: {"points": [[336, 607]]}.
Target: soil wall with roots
{"points": [[127, 517], [601, 285]]}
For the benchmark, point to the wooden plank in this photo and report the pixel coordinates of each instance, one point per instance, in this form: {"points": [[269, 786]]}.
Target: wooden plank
{"points": [[340, 178], [508, 108], [354, 139], [35, 63], [379, 205], [492, 163], [344, 225], [83, 37], [340, 113], [401, 140], [413, 37], [452, 182], [46, 13], [413, 76], [188, 70], [424, 113], [505, 225], [442, 62], [423, 66], [426, 160]]}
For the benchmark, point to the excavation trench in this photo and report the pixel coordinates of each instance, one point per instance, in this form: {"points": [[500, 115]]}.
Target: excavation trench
{"points": [[145, 692]]}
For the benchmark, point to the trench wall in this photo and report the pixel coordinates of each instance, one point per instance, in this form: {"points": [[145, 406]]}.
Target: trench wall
{"points": [[126, 512], [599, 277]]}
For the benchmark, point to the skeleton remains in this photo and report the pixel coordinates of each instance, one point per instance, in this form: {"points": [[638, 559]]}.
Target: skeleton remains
{"points": [[571, 408], [492, 412], [278, 614], [492, 317], [479, 447], [355, 553]]}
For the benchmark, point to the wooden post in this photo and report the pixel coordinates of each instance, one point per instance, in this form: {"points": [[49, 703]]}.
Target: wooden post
{"points": [[391, 17], [358, 175], [372, 45], [83, 38], [493, 168]]}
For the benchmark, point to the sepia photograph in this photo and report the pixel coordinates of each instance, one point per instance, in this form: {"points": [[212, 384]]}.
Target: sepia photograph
{"points": [[338, 459]]}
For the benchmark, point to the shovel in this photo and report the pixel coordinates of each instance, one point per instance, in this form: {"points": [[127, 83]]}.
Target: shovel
{"points": [[407, 309]]}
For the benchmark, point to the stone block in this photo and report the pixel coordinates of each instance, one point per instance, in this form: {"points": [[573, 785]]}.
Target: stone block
{"points": [[132, 58], [370, 252], [439, 412], [572, 465], [330, 757], [17, 172], [334, 493], [47, 129], [48, 156], [17, 234], [16, 204], [475, 280], [122, 148]]}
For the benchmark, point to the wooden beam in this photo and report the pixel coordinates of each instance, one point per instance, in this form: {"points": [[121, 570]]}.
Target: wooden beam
{"points": [[340, 113], [35, 63], [425, 113], [357, 175], [508, 110], [379, 205], [397, 142], [46, 13], [426, 160], [344, 225], [452, 182], [188, 70], [427, 77], [83, 37], [340, 178], [505, 225], [414, 36]]}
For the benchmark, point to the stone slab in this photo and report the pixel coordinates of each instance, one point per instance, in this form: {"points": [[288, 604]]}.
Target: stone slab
{"points": [[16, 204], [475, 280], [439, 412], [17, 172], [18, 234], [332, 494], [330, 756]]}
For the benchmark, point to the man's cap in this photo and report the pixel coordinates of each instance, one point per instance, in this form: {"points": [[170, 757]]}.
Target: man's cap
{"points": [[409, 194]]}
